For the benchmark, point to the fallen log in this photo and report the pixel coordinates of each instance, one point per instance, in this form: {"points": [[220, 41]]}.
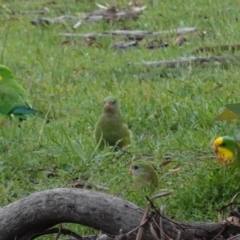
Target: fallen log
{"points": [[42, 210], [116, 217]]}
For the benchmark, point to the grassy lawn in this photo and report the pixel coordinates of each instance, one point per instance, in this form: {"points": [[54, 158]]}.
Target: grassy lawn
{"points": [[170, 111]]}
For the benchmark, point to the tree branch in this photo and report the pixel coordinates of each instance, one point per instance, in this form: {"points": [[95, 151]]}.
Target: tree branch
{"points": [[116, 217], [184, 61]]}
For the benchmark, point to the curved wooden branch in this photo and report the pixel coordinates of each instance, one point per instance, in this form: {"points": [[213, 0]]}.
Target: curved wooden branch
{"points": [[42, 210], [45, 209]]}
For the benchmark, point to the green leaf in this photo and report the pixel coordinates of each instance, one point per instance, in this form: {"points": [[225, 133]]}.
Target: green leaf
{"points": [[235, 108], [227, 115]]}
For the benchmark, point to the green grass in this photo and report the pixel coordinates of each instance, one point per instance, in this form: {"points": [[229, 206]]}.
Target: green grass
{"points": [[170, 111]]}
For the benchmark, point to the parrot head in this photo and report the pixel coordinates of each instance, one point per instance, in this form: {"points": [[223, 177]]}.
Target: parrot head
{"points": [[139, 168], [110, 105], [225, 148], [144, 175], [5, 73], [136, 168]]}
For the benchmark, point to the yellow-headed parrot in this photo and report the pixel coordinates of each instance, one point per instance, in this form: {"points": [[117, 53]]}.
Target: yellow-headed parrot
{"points": [[225, 149]]}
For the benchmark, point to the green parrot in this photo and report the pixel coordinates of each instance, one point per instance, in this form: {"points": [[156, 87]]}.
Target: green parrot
{"points": [[228, 151], [144, 175], [225, 149], [111, 129], [13, 98]]}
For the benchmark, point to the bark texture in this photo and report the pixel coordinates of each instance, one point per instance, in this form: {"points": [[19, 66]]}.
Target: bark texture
{"points": [[42, 210]]}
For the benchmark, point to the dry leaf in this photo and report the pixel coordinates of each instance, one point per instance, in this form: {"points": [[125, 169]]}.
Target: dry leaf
{"points": [[50, 173], [234, 220], [165, 163], [68, 43], [91, 41], [175, 169], [216, 86], [157, 44], [179, 40], [101, 6], [226, 115]]}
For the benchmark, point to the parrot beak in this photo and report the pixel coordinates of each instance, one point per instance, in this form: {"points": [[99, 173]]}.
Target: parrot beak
{"points": [[107, 106], [215, 148], [130, 171]]}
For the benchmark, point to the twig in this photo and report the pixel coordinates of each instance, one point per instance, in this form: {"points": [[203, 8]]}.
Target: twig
{"points": [[161, 195], [234, 197], [124, 45], [184, 61], [162, 209], [5, 42], [222, 48], [169, 220], [109, 14], [153, 232], [76, 25], [135, 229], [142, 33], [63, 231], [37, 21], [59, 232], [144, 220], [234, 237], [219, 233], [226, 206], [130, 33], [45, 10], [44, 122], [122, 14]]}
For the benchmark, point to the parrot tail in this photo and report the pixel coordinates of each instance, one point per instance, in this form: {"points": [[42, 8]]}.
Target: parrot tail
{"points": [[24, 112]]}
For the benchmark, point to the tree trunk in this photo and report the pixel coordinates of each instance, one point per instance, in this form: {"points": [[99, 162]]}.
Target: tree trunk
{"points": [[42, 210]]}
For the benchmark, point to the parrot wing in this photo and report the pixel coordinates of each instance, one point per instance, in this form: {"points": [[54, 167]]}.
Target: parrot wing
{"points": [[112, 130], [14, 101]]}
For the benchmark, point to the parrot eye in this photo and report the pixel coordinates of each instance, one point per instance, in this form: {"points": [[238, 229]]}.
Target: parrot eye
{"points": [[223, 144], [114, 102], [135, 167]]}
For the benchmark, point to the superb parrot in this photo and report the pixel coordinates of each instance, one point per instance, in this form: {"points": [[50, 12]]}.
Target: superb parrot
{"points": [[13, 98], [111, 129], [225, 147], [144, 175]]}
